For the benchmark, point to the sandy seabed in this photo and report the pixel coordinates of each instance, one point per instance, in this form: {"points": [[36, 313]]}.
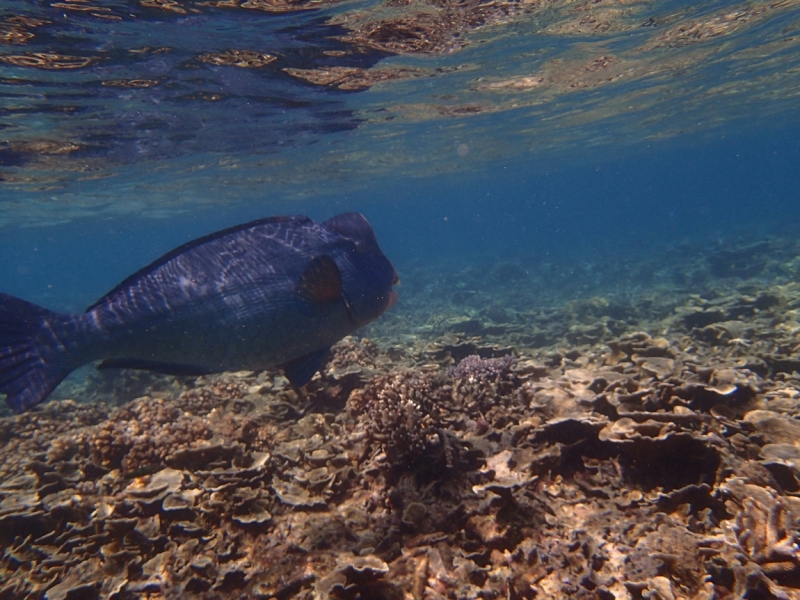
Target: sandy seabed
{"points": [[509, 431]]}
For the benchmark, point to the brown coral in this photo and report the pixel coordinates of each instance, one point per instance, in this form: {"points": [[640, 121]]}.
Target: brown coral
{"points": [[403, 411]]}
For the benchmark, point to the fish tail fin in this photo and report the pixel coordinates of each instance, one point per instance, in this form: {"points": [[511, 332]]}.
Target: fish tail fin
{"points": [[32, 360]]}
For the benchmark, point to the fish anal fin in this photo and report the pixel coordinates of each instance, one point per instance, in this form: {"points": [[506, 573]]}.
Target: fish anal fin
{"points": [[300, 370], [154, 366]]}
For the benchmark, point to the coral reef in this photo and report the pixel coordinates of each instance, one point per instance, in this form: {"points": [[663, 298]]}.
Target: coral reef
{"points": [[648, 450]]}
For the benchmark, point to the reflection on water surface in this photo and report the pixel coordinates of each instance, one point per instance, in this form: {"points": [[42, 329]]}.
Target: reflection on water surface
{"points": [[204, 94]]}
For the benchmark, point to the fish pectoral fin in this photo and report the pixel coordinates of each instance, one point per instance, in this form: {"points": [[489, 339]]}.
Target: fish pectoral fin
{"points": [[154, 366], [321, 282], [300, 370]]}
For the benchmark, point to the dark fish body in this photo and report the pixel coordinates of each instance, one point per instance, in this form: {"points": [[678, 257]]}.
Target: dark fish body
{"points": [[275, 292]]}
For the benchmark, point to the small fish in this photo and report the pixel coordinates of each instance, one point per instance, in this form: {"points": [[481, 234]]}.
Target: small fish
{"points": [[274, 292]]}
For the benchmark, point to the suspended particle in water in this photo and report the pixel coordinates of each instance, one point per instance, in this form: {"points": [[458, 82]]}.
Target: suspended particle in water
{"points": [[462, 150]]}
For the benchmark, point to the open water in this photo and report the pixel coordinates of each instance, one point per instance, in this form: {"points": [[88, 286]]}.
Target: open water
{"points": [[555, 129], [488, 132]]}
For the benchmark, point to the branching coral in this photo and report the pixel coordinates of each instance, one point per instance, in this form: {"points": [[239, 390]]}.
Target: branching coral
{"points": [[403, 410]]}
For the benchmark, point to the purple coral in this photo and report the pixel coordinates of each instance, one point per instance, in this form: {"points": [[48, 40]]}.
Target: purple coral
{"points": [[483, 388], [475, 368]]}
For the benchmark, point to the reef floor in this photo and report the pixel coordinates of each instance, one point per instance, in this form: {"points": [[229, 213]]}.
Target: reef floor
{"points": [[638, 439]]}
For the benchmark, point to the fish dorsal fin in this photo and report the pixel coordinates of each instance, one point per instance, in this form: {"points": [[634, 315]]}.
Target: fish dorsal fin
{"points": [[353, 226], [321, 282], [298, 219]]}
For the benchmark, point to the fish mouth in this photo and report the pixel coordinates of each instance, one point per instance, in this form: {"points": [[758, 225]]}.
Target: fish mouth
{"points": [[392, 299]]}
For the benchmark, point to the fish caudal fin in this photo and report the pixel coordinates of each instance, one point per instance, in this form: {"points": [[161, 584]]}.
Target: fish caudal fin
{"points": [[30, 368]]}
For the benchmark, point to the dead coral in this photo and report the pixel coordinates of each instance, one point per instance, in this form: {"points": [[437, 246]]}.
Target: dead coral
{"points": [[202, 399], [144, 434], [351, 351], [48, 430]]}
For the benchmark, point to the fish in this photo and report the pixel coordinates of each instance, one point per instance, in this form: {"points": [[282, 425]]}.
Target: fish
{"points": [[273, 293]]}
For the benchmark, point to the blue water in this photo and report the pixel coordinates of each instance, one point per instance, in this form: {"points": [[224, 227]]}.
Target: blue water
{"points": [[728, 188]]}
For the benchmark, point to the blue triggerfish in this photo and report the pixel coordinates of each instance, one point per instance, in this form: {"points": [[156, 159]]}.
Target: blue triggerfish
{"points": [[277, 292]]}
